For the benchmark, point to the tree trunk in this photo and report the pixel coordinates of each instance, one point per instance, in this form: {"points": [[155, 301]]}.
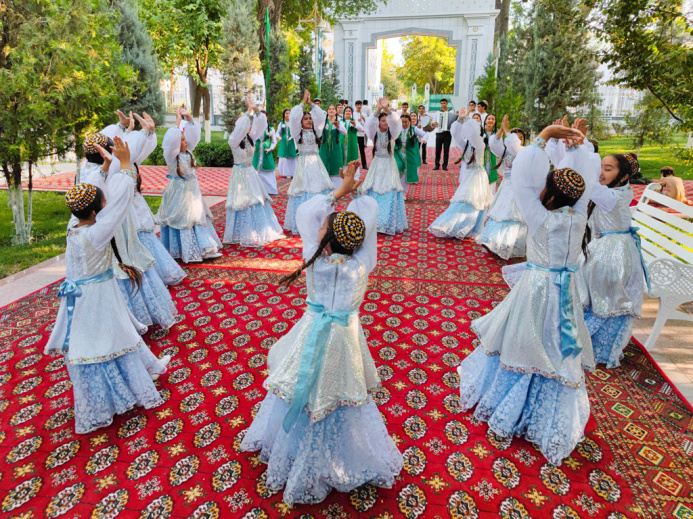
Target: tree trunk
{"points": [[275, 11], [30, 214], [13, 176], [503, 18], [198, 102], [207, 112]]}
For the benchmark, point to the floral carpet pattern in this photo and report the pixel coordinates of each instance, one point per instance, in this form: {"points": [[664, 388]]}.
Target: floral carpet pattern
{"points": [[183, 460]]}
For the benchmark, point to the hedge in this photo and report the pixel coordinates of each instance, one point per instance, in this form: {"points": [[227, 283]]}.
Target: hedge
{"points": [[214, 154]]}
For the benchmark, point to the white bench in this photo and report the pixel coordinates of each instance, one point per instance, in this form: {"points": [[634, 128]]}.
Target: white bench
{"points": [[667, 247]]}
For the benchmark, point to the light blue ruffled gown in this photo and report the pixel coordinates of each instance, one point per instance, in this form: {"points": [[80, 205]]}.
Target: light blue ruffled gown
{"points": [[110, 367], [505, 233], [311, 176], [464, 217], [187, 230], [526, 377], [250, 219], [325, 433], [611, 279], [151, 303], [383, 181]]}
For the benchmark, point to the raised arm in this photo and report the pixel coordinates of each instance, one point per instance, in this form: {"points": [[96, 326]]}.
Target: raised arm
{"points": [[259, 126], [367, 209], [394, 123], [275, 139], [111, 217], [496, 145], [309, 219], [588, 165], [319, 117], [370, 128], [171, 145], [295, 118], [136, 142], [240, 130], [193, 134], [555, 149], [468, 130], [530, 169]]}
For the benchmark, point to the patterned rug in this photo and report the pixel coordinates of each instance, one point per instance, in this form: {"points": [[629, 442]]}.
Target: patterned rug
{"points": [[183, 460]]}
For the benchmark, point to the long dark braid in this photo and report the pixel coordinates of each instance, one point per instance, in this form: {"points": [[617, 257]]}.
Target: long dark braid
{"points": [[133, 273], [505, 148], [138, 183], [330, 239]]}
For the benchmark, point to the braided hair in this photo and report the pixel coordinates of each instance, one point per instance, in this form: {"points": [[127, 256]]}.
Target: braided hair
{"points": [[329, 239], [505, 148], [482, 133], [133, 273], [389, 136], [138, 182]]}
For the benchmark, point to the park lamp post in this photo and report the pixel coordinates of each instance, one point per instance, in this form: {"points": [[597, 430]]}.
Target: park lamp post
{"points": [[319, 26]]}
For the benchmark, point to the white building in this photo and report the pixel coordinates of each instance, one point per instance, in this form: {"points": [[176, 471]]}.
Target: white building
{"points": [[616, 101], [468, 25]]}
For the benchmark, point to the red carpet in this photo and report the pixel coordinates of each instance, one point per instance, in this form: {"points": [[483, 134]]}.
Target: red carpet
{"points": [[182, 460]]}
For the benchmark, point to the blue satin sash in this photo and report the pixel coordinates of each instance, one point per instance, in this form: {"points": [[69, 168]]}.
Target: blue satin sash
{"points": [[312, 357], [633, 231], [71, 290], [569, 345]]}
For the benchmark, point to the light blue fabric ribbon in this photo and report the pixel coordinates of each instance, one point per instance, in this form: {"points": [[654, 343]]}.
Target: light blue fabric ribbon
{"points": [[633, 231], [71, 290], [306, 153], [569, 345], [312, 358]]}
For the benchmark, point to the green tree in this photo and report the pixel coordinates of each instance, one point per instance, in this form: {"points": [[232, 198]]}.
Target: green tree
{"points": [[240, 59], [283, 61], [389, 75], [553, 66], [501, 96], [138, 51], [330, 90], [61, 72], [428, 59], [306, 75], [649, 46], [189, 33], [650, 122]]}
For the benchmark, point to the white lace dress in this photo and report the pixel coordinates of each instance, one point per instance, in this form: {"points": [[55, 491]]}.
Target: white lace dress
{"points": [[187, 230], [311, 176], [611, 279], [325, 432], [109, 365], [526, 376], [464, 217], [505, 233], [383, 181], [250, 219]]}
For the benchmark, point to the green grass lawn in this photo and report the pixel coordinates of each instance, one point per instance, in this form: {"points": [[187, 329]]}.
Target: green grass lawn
{"points": [[652, 156], [50, 223]]}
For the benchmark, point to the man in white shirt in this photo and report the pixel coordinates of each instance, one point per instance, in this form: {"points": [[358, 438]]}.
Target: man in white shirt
{"points": [[360, 117], [481, 110], [443, 135], [366, 109]]}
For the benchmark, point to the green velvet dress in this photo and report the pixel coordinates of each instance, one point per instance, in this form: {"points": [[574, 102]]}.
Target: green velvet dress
{"points": [[331, 151], [267, 156]]}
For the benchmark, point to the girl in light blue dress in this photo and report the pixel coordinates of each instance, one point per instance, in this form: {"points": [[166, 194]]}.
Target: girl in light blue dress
{"points": [[187, 231], [526, 376], [318, 428]]}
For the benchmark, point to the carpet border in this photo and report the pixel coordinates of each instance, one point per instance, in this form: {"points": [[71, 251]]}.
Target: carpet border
{"points": [[688, 404]]}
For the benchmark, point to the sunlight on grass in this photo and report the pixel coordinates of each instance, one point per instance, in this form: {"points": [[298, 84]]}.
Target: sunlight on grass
{"points": [[652, 157], [50, 223]]}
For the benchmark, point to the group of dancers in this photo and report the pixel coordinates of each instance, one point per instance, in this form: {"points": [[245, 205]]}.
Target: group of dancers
{"points": [[571, 304]]}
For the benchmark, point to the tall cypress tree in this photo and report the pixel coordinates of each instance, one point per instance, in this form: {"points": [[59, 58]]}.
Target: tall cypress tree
{"points": [[557, 67], [306, 74], [330, 90], [281, 85], [138, 52], [240, 59]]}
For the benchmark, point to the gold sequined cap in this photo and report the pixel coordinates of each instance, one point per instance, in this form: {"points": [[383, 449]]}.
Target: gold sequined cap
{"points": [[569, 182], [349, 230], [92, 140], [632, 159], [80, 196]]}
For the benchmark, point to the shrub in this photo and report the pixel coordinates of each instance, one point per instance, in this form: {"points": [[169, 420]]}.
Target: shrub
{"points": [[214, 154], [156, 158]]}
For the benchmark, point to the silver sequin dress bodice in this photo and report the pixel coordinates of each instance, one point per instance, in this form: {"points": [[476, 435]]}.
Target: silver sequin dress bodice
{"points": [[383, 174], [243, 156], [524, 329], [310, 175], [82, 259], [182, 206], [611, 279], [348, 373]]}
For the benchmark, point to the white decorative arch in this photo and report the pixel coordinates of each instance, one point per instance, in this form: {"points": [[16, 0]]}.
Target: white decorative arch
{"points": [[468, 25]]}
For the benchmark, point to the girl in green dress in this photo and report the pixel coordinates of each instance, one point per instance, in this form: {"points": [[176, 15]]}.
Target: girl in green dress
{"points": [[263, 159], [350, 144], [490, 159], [410, 141], [287, 147], [331, 151]]}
